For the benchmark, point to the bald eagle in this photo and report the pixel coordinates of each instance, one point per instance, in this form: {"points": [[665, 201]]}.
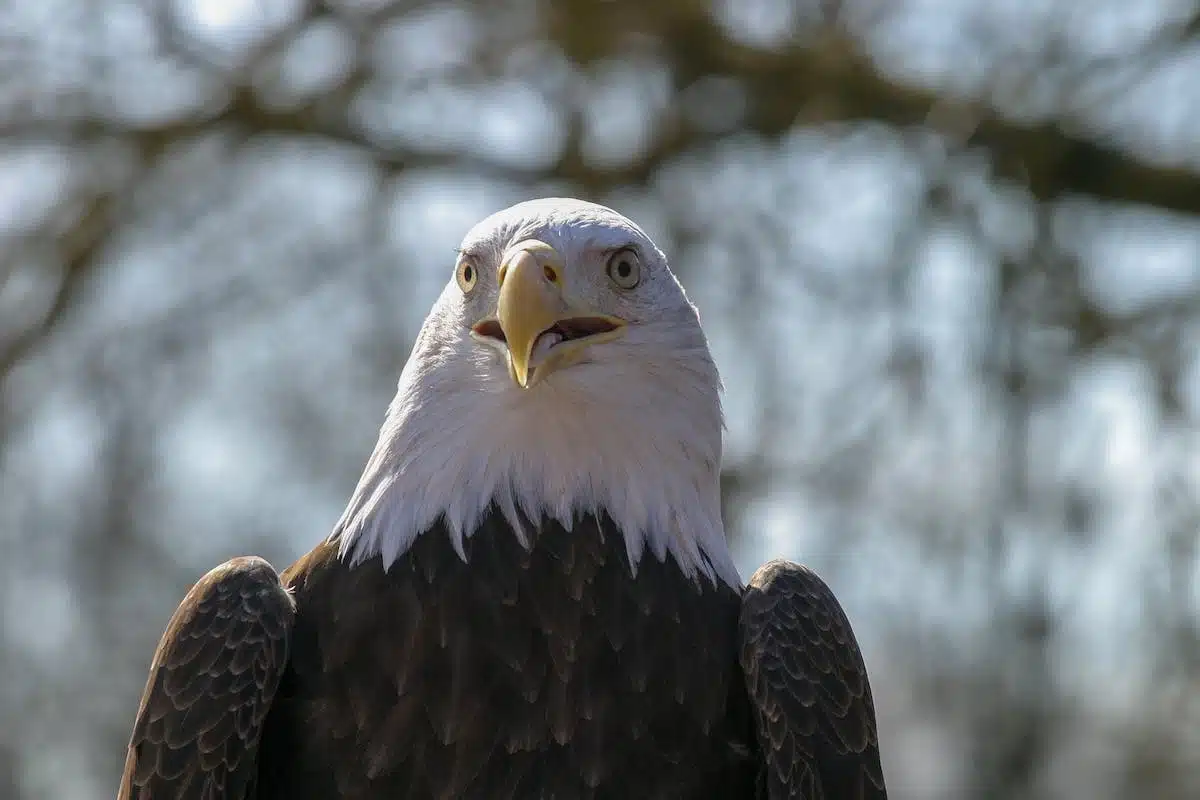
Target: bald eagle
{"points": [[530, 593]]}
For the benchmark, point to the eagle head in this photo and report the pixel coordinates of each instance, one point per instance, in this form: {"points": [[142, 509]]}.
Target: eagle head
{"points": [[562, 371]]}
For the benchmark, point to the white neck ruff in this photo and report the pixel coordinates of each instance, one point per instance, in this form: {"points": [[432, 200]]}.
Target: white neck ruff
{"points": [[640, 442]]}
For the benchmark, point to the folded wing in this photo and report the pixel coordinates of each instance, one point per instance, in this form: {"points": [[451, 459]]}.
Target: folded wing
{"points": [[814, 716], [214, 675]]}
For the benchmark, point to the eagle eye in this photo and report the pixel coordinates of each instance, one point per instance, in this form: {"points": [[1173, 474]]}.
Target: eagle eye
{"points": [[625, 268], [467, 275]]}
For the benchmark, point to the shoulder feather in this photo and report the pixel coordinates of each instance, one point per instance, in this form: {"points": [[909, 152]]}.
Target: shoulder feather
{"points": [[211, 683], [808, 686]]}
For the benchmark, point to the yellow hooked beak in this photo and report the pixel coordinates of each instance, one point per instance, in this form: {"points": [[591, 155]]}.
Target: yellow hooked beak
{"points": [[534, 318]]}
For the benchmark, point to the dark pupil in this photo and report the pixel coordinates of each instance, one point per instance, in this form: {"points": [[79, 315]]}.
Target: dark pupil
{"points": [[468, 273], [623, 269]]}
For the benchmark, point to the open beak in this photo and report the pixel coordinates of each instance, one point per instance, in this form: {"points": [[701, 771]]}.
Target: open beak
{"points": [[534, 320]]}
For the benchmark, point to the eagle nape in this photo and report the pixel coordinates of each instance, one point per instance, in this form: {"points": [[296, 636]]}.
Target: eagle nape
{"points": [[530, 592]]}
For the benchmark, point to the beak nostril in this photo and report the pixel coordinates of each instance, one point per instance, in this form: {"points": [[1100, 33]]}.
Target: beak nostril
{"points": [[503, 273], [550, 274]]}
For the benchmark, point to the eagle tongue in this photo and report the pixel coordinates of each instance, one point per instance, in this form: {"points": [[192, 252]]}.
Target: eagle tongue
{"points": [[543, 345]]}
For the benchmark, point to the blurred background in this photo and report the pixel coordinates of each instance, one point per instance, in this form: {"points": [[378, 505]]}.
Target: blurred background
{"points": [[947, 252]]}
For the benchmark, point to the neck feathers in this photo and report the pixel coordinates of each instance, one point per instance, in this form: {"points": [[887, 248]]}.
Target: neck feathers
{"points": [[646, 452]]}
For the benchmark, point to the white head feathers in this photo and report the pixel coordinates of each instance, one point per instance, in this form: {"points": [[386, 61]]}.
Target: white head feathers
{"points": [[633, 429]]}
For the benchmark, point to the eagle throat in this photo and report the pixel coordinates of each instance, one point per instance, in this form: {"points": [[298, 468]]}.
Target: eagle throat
{"points": [[442, 466]]}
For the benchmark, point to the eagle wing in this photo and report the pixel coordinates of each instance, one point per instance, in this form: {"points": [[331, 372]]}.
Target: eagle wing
{"points": [[214, 674], [807, 683]]}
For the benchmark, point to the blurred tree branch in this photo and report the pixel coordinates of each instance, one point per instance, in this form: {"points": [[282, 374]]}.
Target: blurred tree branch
{"points": [[829, 79], [77, 250]]}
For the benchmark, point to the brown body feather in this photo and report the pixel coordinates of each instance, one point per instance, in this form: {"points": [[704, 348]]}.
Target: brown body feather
{"points": [[551, 672]]}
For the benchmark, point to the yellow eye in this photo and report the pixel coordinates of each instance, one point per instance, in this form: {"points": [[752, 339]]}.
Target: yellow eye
{"points": [[467, 274], [625, 268]]}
